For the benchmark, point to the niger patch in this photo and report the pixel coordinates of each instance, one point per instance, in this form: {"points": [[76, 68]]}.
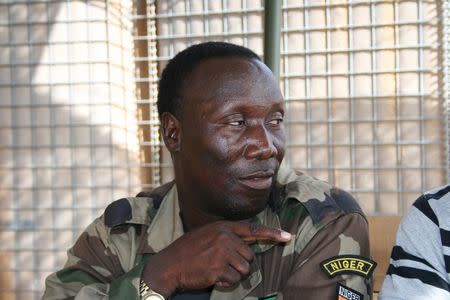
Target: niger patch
{"points": [[348, 264], [345, 293]]}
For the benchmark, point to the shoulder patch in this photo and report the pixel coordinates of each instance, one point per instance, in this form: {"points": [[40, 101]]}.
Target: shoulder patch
{"points": [[318, 209], [348, 264], [345, 201], [118, 213], [338, 201], [346, 293], [322, 201]]}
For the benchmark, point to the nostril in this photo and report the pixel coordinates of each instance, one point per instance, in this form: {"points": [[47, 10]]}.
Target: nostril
{"points": [[270, 152], [259, 144], [260, 151]]}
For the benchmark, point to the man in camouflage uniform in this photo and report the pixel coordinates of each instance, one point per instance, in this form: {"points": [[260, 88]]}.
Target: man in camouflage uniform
{"points": [[233, 224]]}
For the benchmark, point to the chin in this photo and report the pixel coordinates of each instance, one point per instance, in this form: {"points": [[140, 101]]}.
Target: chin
{"points": [[243, 209], [240, 202]]}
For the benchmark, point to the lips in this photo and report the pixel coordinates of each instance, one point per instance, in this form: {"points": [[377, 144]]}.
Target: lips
{"points": [[261, 180]]}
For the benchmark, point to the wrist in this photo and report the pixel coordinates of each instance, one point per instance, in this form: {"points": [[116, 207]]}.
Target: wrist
{"points": [[158, 280], [146, 293]]}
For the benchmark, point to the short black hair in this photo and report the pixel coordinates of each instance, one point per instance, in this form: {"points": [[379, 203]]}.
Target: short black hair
{"points": [[181, 66]]}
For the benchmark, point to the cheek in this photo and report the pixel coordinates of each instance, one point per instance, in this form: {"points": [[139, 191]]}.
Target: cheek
{"points": [[226, 148], [280, 143], [223, 148]]}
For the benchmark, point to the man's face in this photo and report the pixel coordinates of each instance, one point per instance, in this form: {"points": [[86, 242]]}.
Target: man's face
{"points": [[232, 136]]}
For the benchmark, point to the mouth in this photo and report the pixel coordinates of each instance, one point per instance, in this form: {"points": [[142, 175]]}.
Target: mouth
{"points": [[261, 180]]}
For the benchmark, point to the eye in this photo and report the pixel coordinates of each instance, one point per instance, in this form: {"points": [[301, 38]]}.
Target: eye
{"points": [[276, 121], [237, 123]]}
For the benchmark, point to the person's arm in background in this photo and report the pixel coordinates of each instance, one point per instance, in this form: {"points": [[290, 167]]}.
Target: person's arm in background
{"points": [[417, 269], [347, 235]]}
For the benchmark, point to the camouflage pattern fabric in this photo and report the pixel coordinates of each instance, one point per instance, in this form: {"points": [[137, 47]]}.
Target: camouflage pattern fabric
{"points": [[107, 259]]}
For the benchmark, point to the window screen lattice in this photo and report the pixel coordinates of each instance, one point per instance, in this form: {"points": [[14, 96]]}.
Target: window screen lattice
{"points": [[361, 80], [68, 136]]}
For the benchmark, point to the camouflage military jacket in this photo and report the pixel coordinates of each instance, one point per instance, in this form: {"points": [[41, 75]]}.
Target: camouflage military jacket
{"points": [[325, 258]]}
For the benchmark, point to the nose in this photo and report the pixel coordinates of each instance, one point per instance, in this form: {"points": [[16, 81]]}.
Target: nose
{"points": [[259, 144]]}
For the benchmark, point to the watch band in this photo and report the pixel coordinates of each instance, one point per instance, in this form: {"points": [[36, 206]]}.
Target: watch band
{"points": [[147, 293]]}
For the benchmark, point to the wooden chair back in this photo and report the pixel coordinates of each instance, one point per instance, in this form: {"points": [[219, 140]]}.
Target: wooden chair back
{"points": [[382, 232]]}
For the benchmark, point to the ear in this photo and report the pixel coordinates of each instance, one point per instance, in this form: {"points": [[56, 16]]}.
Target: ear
{"points": [[171, 132]]}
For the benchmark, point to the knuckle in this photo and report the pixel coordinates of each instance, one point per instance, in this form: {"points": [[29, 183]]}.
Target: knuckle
{"points": [[255, 228], [248, 252], [211, 278], [245, 268], [221, 226], [236, 277], [221, 237], [221, 252], [216, 268], [232, 276]]}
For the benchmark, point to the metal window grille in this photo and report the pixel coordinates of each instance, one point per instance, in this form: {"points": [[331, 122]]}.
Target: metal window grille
{"points": [[446, 75], [68, 137], [361, 82], [361, 79]]}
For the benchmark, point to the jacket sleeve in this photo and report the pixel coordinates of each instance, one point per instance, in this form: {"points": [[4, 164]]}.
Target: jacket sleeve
{"points": [[417, 267], [96, 266], [347, 235]]}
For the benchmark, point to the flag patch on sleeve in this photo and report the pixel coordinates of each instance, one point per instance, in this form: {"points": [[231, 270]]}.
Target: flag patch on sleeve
{"points": [[348, 264], [346, 293]]}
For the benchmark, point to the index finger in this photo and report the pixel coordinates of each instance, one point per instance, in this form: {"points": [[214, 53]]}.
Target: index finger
{"points": [[251, 232]]}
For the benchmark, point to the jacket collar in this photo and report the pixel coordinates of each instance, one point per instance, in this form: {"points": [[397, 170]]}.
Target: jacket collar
{"points": [[166, 226], [301, 187]]}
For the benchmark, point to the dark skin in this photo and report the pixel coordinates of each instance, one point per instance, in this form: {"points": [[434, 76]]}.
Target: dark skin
{"points": [[226, 147]]}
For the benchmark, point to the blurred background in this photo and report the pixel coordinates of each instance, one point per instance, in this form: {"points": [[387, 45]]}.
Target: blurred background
{"points": [[366, 84]]}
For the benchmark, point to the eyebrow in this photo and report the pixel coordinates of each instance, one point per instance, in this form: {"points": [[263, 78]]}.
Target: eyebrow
{"points": [[229, 104]]}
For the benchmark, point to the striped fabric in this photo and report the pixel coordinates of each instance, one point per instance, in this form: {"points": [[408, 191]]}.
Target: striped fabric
{"points": [[420, 260]]}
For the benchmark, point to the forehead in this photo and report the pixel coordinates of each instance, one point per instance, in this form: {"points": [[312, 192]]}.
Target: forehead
{"points": [[224, 79]]}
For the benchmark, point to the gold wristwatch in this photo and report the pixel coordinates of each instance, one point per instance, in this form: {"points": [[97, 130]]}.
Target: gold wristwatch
{"points": [[147, 293]]}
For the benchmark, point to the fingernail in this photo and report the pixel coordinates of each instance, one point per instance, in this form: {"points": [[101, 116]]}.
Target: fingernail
{"points": [[285, 235]]}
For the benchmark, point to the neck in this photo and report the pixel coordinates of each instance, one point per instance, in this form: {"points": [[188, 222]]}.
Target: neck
{"points": [[192, 216], [190, 202]]}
